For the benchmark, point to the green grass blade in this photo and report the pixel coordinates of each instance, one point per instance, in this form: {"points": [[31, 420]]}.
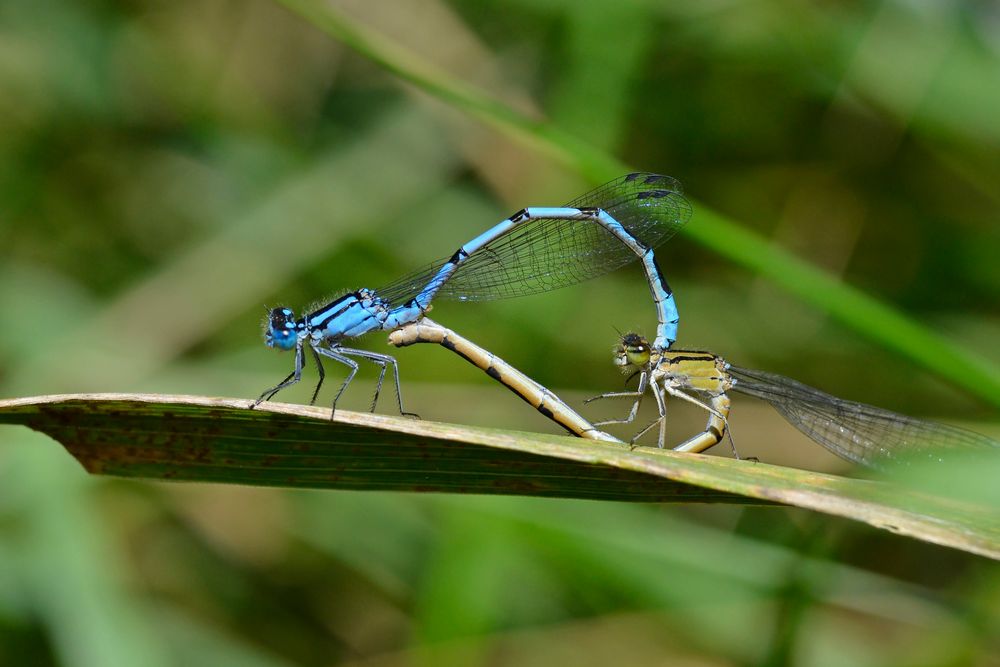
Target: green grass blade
{"points": [[188, 438]]}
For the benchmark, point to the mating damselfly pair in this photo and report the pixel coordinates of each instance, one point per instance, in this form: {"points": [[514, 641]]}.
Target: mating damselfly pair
{"points": [[541, 248]]}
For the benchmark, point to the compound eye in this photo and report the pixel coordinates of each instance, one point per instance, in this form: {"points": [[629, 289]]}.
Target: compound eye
{"points": [[632, 340], [281, 318]]}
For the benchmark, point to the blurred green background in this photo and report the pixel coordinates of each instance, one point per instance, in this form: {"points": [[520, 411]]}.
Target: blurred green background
{"points": [[167, 169]]}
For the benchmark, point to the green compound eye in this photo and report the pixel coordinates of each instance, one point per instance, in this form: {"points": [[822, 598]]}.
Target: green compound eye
{"points": [[633, 350], [637, 356]]}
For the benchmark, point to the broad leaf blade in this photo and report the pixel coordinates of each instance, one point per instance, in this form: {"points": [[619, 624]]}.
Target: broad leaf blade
{"points": [[189, 438]]}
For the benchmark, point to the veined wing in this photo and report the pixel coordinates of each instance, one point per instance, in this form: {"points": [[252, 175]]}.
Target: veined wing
{"points": [[545, 254], [855, 431]]}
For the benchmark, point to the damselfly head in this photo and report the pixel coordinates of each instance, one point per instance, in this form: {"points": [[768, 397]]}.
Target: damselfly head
{"points": [[281, 330], [631, 351]]}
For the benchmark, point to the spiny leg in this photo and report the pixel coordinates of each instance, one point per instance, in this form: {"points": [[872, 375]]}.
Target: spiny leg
{"points": [[271, 392], [291, 379], [718, 410], [661, 420], [378, 386], [382, 365], [732, 445], [350, 363], [661, 407], [637, 395], [322, 374], [382, 360], [399, 395], [713, 434], [674, 391], [631, 413]]}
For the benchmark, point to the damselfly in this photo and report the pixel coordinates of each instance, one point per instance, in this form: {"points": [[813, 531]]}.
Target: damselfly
{"points": [[854, 431], [534, 250]]}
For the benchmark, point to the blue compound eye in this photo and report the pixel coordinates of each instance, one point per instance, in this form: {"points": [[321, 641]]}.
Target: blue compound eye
{"points": [[281, 331]]}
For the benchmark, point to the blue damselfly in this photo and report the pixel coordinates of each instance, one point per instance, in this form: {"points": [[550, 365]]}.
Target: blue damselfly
{"points": [[534, 250]]}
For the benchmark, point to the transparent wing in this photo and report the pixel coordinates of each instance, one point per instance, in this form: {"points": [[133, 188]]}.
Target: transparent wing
{"points": [[855, 431], [546, 254]]}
